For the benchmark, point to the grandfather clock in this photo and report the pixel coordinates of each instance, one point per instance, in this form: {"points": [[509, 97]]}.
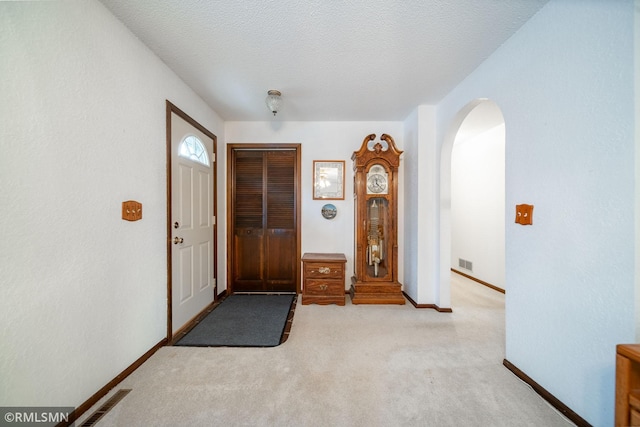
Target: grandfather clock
{"points": [[375, 194]]}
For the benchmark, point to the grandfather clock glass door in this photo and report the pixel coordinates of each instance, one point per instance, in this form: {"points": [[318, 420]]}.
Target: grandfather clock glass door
{"points": [[379, 250], [264, 191]]}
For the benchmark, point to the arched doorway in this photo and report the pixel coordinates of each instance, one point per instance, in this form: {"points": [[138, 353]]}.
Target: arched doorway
{"points": [[476, 118]]}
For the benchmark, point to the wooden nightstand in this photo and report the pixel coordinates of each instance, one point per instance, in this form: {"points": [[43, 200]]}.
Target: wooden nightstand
{"points": [[627, 385], [323, 278]]}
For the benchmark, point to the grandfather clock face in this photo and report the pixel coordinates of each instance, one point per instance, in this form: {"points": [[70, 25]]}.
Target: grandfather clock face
{"points": [[377, 180]]}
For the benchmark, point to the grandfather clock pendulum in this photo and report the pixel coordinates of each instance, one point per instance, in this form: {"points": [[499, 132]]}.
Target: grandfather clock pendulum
{"points": [[375, 279]]}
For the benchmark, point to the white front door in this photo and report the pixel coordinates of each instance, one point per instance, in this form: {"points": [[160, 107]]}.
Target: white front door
{"points": [[192, 221]]}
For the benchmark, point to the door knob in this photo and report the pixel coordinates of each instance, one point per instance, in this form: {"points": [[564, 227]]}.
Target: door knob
{"points": [[177, 240]]}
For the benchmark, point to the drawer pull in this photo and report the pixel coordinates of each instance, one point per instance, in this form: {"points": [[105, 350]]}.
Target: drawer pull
{"points": [[324, 270], [324, 287]]}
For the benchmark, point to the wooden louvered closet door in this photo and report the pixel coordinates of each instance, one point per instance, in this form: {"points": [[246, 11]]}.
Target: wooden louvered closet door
{"points": [[264, 193]]}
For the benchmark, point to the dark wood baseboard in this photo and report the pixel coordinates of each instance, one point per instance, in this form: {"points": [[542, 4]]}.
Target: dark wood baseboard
{"points": [[488, 285], [111, 384], [553, 401], [433, 306]]}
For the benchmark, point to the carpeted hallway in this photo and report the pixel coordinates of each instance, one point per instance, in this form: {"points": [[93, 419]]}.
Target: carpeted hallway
{"points": [[346, 366]]}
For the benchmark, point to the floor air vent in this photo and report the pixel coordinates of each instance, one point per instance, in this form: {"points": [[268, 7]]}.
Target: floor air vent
{"points": [[463, 263], [108, 405]]}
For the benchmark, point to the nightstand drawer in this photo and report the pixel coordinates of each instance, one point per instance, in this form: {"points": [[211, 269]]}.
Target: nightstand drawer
{"points": [[323, 270], [323, 287]]}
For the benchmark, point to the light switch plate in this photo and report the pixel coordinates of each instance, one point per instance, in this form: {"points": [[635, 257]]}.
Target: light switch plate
{"points": [[524, 214], [131, 210]]}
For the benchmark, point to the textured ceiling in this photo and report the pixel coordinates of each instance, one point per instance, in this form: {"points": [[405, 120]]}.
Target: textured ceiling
{"points": [[331, 59]]}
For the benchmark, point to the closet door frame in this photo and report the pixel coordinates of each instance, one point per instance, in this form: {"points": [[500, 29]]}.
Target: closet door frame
{"points": [[231, 148]]}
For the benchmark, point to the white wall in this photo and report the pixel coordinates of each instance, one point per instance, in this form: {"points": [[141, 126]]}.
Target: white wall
{"points": [[564, 83], [324, 141], [411, 224], [477, 205], [82, 128], [82, 119], [421, 261]]}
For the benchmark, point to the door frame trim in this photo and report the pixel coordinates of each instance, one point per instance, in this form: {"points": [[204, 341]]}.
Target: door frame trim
{"points": [[171, 108], [298, 207]]}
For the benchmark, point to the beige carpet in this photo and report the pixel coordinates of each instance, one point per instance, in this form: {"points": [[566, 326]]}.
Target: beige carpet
{"points": [[357, 365]]}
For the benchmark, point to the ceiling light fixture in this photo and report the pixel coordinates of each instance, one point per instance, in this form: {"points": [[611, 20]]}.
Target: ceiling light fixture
{"points": [[274, 101]]}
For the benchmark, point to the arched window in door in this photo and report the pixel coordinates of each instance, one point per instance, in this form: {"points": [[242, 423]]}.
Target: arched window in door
{"points": [[192, 148]]}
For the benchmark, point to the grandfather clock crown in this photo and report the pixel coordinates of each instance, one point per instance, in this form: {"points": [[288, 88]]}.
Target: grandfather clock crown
{"points": [[384, 149]]}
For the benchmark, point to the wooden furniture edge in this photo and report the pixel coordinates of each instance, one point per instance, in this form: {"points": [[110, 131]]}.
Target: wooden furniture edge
{"points": [[623, 387], [84, 407], [632, 351], [627, 397], [553, 401], [482, 282]]}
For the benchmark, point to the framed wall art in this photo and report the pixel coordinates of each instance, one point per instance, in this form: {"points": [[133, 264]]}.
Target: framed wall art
{"points": [[328, 179]]}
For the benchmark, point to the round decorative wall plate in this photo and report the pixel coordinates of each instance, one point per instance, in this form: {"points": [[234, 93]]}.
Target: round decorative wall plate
{"points": [[329, 211]]}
